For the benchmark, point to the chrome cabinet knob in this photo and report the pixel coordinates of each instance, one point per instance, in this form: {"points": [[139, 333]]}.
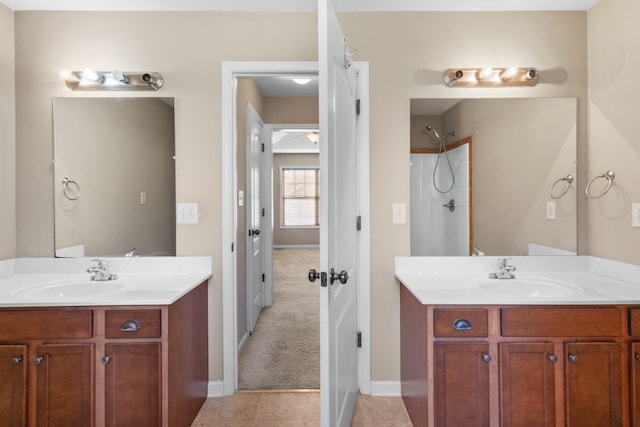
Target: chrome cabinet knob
{"points": [[16, 361], [552, 358], [573, 358], [38, 360], [106, 359], [486, 358]]}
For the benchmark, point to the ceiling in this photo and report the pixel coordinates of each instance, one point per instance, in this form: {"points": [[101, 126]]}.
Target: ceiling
{"points": [[302, 5]]}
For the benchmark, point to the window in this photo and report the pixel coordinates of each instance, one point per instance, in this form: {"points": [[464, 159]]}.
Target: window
{"points": [[300, 196]]}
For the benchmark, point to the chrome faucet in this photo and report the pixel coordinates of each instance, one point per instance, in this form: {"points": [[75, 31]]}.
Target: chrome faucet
{"points": [[101, 271], [505, 270]]}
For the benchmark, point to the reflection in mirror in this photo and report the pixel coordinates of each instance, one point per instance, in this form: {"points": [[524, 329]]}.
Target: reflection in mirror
{"points": [[114, 176], [497, 173]]}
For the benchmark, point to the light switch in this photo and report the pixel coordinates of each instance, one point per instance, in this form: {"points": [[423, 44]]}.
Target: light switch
{"points": [[187, 213], [143, 197], [240, 198], [551, 210], [399, 213]]}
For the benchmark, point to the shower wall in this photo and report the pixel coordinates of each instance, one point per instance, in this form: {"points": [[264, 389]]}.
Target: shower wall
{"points": [[435, 230]]}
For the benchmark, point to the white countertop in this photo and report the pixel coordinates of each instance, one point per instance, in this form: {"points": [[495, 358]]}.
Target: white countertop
{"points": [[39, 282], [465, 280]]}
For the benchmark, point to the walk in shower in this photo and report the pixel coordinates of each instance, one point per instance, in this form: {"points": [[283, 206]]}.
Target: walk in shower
{"points": [[440, 200]]}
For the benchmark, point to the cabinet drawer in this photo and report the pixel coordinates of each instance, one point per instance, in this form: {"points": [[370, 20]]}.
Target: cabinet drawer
{"points": [[45, 324], [562, 322], [132, 323], [460, 323]]}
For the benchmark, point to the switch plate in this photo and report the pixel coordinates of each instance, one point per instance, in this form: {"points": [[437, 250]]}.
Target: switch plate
{"points": [[143, 197], [399, 213], [551, 210], [635, 215], [187, 213], [240, 198]]}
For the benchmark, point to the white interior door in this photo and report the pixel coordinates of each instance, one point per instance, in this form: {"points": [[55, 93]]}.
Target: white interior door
{"points": [[255, 239], [338, 218]]}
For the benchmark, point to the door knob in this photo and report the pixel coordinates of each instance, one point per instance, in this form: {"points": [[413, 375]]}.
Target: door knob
{"points": [[343, 276], [313, 275]]}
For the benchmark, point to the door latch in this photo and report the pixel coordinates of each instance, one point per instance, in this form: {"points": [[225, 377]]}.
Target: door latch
{"points": [[314, 275], [343, 276]]}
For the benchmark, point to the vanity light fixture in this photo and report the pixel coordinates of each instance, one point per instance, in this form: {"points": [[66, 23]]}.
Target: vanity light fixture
{"points": [[301, 81], [490, 77], [113, 80]]}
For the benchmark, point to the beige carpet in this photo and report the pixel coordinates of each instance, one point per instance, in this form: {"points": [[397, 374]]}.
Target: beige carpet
{"points": [[284, 350]]}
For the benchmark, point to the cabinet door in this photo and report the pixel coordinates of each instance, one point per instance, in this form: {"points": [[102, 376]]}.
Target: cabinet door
{"points": [[13, 385], [635, 384], [132, 381], [527, 385], [593, 384], [462, 384], [64, 384]]}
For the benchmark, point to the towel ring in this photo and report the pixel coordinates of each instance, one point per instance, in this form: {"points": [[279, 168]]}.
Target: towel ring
{"points": [[567, 180], [70, 189], [609, 176]]}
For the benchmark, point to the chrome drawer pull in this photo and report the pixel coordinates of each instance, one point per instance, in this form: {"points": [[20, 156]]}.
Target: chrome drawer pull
{"points": [[461, 324], [130, 326]]}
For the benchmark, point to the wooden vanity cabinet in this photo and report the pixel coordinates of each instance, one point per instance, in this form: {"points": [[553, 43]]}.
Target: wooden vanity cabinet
{"points": [[143, 366], [13, 386], [519, 366], [462, 383]]}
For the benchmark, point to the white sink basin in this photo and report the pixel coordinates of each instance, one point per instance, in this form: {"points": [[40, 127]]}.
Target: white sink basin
{"points": [[67, 288], [533, 287]]}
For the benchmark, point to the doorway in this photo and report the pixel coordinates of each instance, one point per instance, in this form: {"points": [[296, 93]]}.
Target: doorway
{"points": [[230, 72], [281, 348]]}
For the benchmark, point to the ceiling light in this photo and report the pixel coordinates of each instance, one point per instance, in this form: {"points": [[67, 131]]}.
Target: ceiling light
{"points": [[302, 81]]}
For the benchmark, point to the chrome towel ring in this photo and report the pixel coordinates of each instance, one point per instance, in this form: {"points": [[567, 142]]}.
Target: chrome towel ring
{"points": [[567, 180], [70, 189], [609, 176]]}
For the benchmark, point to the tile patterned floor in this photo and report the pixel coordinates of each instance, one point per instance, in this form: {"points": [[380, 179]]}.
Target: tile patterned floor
{"points": [[294, 409]]}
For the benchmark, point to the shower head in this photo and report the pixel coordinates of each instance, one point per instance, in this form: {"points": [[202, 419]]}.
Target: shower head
{"points": [[435, 132]]}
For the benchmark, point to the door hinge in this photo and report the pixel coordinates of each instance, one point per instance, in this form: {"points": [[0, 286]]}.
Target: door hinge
{"points": [[263, 277], [263, 212], [359, 340], [263, 147], [233, 246], [358, 107], [359, 223]]}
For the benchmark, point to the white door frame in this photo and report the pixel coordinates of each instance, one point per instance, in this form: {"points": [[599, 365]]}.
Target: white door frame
{"points": [[231, 71]]}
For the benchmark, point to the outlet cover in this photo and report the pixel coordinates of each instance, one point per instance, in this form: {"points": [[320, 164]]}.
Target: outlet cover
{"points": [[635, 215], [551, 210]]}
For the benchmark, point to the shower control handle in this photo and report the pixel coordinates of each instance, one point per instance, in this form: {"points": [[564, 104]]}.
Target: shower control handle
{"points": [[451, 205]]}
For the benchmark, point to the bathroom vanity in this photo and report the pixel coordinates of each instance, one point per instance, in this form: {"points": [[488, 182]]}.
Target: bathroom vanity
{"points": [[108, 358], [561, 357]]}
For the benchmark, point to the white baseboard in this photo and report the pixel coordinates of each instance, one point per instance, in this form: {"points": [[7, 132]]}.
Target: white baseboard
{"points": [[386, 388], [296, 246], [215, 389]]}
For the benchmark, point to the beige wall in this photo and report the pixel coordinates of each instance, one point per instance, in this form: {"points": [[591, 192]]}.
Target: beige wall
{"points": [[7, 136], [91, 137], [407, 53], [614, 58], [520, 148]]}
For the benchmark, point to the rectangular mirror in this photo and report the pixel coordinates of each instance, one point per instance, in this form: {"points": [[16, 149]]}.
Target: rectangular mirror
{"points": [[502, 181], [114, 177]]}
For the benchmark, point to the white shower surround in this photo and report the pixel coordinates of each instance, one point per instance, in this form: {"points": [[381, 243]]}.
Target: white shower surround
{"points": [[435, 231]]}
